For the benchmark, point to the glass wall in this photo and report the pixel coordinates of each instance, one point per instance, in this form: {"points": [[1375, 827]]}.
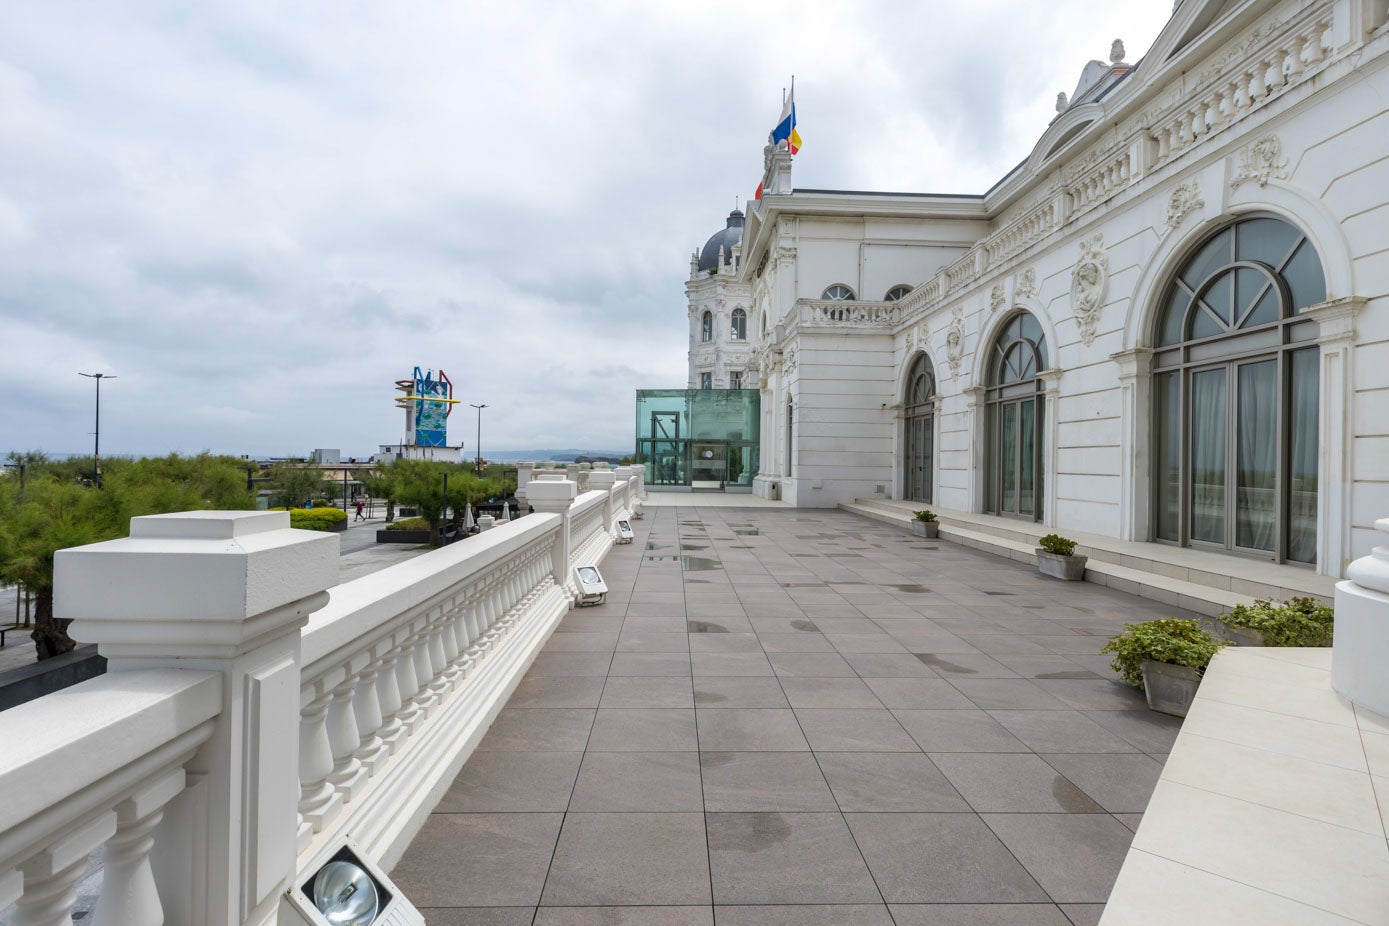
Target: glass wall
{"points": [[699, 438]]}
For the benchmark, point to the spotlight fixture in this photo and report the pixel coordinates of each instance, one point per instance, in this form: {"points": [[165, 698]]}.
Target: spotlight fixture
{"points": [[624, 532], [348, 890], [592, 589]]}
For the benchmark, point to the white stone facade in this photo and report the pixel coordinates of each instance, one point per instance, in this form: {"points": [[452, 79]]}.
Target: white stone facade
{"points": [[1240, 109], [720, 354]]}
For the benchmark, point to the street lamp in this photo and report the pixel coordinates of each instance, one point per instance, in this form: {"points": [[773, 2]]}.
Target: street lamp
{"points": [[478, 447], [96, 448]]}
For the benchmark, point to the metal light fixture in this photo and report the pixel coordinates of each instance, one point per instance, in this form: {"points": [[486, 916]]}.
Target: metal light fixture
{"points": [[348, 890], [624, 532], [592, 589]]}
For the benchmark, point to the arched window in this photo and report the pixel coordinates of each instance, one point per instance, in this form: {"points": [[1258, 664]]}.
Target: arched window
{"points": [[1014, 410], [1235, 394], [738, 330], [837, 293], [897, 292], [919, 443], [706, 327]]}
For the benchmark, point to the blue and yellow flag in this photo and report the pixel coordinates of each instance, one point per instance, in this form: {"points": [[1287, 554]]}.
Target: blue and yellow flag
{"points": [[786, 127]]}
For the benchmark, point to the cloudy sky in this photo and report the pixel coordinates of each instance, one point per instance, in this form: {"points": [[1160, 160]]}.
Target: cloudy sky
{"points": [[259, 215]]}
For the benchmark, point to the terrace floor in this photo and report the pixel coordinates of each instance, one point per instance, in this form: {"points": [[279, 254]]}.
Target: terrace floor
{"points": [[803, 717]]}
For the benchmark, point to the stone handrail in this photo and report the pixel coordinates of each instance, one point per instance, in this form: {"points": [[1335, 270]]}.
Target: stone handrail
{"points": [[390, 651], [95, 765], [1362, 629], [846, 314]]}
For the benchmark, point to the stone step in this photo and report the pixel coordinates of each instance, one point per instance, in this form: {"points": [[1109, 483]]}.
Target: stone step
{"points": [[1192, 596]]}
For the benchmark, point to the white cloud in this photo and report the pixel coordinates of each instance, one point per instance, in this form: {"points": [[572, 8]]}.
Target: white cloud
{"points": [[260, 215]]}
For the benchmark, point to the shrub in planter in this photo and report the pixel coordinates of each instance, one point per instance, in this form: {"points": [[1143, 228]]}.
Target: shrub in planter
{"points": [[317, 519], [1056, 558], [1164, 659], [409, 524], [926, 524], [1295, 622]]}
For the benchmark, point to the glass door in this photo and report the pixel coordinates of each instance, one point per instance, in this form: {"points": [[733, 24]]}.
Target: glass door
{"points": [[920, 439], [1016, 463], [708, 464]]}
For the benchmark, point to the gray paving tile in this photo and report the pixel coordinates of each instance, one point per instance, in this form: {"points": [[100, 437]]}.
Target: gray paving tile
{"points": [[623, 916], [1047, 666], [940, 858], [1006, 693], [888, 781], [779, 858], [958, 731], [581, 642], [1121, 784], [638, 641], [749, 729], [730, 664], [1004, 644], [638, 691], [638, 781], [1060, 731], [512, 782], [591, 664], [557, 691], [918, 693], [542, 729], [486, 859], [738, 691], [829, 692], [971, 665], [994, 914], [847, 643], [764, 781], [626, 859], [889, 665], [804, 915], [1012, 783], [795, 643], [643, 730], [854, 730], [811, 665], [1075, 857], [650, 664], [1131, 820], [724, 643], [1083, 914], [478, 916], [1148, 731]]}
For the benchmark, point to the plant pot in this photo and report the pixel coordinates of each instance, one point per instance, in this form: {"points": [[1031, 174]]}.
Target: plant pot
{"points": [[1068, 568], [1170, 689], [412, 537], [1240, 636], [928, 529]]}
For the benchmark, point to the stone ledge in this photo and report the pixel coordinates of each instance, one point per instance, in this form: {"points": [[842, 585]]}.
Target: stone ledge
{"points": [[1271, 808]]}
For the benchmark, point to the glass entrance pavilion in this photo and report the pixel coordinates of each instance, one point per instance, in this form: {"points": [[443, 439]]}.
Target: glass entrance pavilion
{"points": [[698, 439]]}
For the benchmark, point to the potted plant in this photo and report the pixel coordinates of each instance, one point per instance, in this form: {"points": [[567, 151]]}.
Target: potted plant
{"points": [[1056, 558], [1165, 659], [926, 524], [1295, 622]]}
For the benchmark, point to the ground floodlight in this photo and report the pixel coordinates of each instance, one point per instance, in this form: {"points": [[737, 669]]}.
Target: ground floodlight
{"points": [[592, 588], [348, 890], [624, 532]]}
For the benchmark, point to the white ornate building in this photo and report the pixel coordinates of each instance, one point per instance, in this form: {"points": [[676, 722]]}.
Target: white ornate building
{"points": [[719, 309], [1168, 325]]}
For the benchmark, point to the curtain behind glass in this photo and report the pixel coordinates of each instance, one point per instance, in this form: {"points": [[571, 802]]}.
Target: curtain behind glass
{"points": [[1208, 461], [1256, 429], [1169, 455], [1302, 453]]}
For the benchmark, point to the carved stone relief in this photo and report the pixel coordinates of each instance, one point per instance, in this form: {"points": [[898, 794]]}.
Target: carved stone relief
{"points": [[996, 297], [1025, 286], [1261, 162], [1185, 199], [788, 360], [1088, 284], [955, 341]]}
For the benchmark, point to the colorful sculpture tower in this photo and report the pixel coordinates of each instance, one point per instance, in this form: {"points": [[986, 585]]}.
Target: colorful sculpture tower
{"points": [[428, 401]]}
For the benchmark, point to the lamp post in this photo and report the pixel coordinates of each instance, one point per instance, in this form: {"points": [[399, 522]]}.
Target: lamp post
{"points": [[478, 447], [96, 447]]}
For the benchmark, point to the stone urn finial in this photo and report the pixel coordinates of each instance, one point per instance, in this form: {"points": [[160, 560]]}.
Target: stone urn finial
{"points": [[1116, 52], [1061, 102]]}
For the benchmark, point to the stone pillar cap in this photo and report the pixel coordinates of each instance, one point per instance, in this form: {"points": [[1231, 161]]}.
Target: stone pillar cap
{"points": [[601, 479]]}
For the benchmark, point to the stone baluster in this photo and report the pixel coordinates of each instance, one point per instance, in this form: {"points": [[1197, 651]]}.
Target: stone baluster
{"points": [[129, 896], [372, 751], [319, 801], [453, 642], [409, 685], [472, 616], [1164, 143], [347, 776], [439, 680], [1242, 93], [391, 730], [424, 671], [1293, 63], [51, 876]]}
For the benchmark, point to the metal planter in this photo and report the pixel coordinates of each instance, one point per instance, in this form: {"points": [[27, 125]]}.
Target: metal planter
{"points": [[928, 529], [1170, 689], [1240, 636]]}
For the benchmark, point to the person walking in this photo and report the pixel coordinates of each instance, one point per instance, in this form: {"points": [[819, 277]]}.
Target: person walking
{"points": [[359, 516]]}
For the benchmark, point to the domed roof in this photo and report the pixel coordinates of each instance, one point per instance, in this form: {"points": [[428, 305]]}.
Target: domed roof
{"points": [[722, 242]]}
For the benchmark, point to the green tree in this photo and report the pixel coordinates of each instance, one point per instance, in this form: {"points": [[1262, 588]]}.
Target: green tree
{"points": [[293, 483], [378, 484]]}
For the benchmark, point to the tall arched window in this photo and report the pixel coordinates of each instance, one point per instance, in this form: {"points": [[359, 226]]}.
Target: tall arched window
{"points": [[897, 292], [919, 444], [1235, 394], [837, 293], [706, 327], [1014, 410], [738, 330]]}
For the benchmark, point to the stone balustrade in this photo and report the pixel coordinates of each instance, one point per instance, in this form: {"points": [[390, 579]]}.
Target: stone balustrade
{"points": [[255, 712]]}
